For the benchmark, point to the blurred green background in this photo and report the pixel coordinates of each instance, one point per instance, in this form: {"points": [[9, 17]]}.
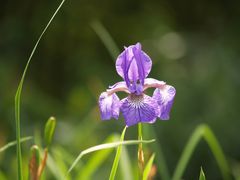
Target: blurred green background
{"points": [[194, 46]]}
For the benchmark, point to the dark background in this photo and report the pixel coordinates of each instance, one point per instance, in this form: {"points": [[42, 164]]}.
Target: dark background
{"points": [[194, 46]]}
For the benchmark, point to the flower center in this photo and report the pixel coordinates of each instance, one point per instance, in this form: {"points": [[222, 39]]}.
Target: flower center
{"points": [[136, 101]]}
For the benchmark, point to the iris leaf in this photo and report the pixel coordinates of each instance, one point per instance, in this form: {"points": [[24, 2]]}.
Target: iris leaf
{"points": [[202, 132], [95, 161], [105, 146], [125, 165], [19, 91], [117, 157], [54, 168], [202, 175], [160, 160], [148, 167]]}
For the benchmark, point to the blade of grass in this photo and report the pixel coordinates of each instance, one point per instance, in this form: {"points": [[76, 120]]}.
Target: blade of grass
{"points": [[148, 167], [13, 143], [105, 146], [160, 160], [202, 132], [61, 153], [125, 165], [95, 161], [19, 91], [117, 156], [54, 168], [106, 38], [202, 175]]}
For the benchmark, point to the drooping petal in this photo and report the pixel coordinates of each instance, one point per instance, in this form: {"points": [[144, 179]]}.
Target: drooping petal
{"points": [[153, 83], [164, 97], [109, 106], [140, 108], [133, 63]]}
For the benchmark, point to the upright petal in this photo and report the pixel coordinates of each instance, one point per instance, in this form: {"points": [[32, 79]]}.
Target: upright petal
{"points": [[164, 97], [133, 63], [137, 51], [109, 106], [137, 109]]}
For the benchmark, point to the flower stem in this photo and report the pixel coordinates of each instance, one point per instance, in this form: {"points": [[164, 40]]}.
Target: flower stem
{"points": [[140, 152]]}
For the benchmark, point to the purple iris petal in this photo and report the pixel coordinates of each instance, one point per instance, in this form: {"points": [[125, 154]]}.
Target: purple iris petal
{"points": [[164, 97], [150, 82], [138, 56], [120, 86], [109, 106], [133, 65], [140, 108]]}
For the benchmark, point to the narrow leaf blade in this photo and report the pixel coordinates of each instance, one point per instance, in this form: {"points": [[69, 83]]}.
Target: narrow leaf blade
{"points": [[202, 175], [148, 167], [202, 132], [105, 146], [19, 91], [117, 157], [95, 161], [13, 143]]}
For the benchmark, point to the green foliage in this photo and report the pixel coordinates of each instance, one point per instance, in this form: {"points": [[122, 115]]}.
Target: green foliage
{"points": [[54, 167], [106, 38], [202, 175], [105, 146], [2, 176], [148, 167], [202, 132], [96, 160], [18, 95], [125, 165], [207, 74], [13, 143], [49, 130], [157, 148], [117, 156]]}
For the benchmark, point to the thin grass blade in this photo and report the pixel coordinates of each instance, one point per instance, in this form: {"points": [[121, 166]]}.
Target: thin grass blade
{"points": [[106, 38], [125, 165], [148, 167], [160, 160], [19, 91], [202, 175], [13, 143], [95, 161], [117, 156], [54, 168], [105, 146]]}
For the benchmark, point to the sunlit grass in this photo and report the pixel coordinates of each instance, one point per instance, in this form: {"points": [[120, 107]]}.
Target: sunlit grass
{"points": [[61, 169], [19, 92]]}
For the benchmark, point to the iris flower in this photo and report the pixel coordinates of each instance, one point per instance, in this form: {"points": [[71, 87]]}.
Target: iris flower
{"points": [[134, 65]]}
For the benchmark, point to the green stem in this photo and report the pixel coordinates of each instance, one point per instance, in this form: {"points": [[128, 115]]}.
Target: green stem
{"points": [[140, 152], [140, 132]]}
